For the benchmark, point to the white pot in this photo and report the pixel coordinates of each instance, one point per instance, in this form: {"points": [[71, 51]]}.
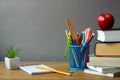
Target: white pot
{"points": [[12, 63]]}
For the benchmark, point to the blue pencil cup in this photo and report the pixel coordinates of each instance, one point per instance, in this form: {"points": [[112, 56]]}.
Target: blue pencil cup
{"points": [[78, 57]]}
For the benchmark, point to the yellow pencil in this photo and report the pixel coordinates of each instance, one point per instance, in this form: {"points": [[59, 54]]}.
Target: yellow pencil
{"points": [[67, 35], [52, 70]]}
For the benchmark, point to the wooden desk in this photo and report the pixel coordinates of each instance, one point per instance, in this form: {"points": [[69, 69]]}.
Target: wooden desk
{"points": [[18, 74]]}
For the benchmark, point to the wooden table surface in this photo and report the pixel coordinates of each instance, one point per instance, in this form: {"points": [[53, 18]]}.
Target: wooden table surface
{"points": [[6, 74]]}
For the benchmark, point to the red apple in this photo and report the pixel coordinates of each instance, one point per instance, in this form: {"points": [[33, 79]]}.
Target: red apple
{"points": [[105, 21]]}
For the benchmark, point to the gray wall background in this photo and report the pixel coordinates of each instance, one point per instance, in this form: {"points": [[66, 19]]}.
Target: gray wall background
{"points": [[37, 26]]}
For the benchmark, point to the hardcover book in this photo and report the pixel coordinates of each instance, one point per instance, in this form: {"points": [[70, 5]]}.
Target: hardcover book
{"points": [[104, 69], [114, 74], [107, 49], [104, 61], [112, 35]]}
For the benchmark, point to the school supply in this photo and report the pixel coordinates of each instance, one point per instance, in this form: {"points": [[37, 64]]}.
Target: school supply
{"points": [[69, 41], [104, 61], [112, 35], [107, 49], [32, 70], [78, 46], [109, 71], [78, 57], [52, 70], [104, 69], [112, 74], [71, 28], [89, 40]]}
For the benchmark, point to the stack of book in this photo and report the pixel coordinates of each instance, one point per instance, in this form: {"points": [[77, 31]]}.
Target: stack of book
{"points": [[106, 59]]}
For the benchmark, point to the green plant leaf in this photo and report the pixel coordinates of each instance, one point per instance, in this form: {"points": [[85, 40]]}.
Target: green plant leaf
{"points": [[12, 52]]}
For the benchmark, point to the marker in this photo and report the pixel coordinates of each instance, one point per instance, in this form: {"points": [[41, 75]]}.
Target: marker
{"points": [[78, 41]]}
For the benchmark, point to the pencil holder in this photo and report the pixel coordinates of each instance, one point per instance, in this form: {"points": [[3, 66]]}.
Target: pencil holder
{"points": [[78, 57]]}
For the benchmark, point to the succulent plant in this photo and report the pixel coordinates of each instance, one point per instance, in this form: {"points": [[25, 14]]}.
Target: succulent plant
{"points": [[12, 52]]}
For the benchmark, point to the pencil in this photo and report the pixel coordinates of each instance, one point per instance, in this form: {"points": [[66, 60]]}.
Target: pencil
{"points": [[75, 58], [90, 38], [53, 70]]}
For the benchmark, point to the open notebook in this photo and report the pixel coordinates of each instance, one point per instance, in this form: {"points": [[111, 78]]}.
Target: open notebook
{"points": [[32, 70]]}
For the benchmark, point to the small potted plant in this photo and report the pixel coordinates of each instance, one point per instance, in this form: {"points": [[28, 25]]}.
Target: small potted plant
{"points": [[12, 61]]}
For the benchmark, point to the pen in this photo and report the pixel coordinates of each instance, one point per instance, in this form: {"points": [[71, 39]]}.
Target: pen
{"points": [[90, 39], [53, 70]]}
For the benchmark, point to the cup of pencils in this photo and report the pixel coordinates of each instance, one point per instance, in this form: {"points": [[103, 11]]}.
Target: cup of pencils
{"points": [[78, 50], [78, 57], [77, 46]]}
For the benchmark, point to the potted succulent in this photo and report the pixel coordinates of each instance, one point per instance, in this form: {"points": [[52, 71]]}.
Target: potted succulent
{"points": [[12, 61]]}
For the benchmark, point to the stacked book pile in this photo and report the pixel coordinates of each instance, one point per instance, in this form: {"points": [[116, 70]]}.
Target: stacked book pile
{"points": [[106, 59]]}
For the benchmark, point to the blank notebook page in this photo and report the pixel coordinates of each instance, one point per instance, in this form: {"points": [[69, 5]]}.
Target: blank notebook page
{"points": [[32, 70]]}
